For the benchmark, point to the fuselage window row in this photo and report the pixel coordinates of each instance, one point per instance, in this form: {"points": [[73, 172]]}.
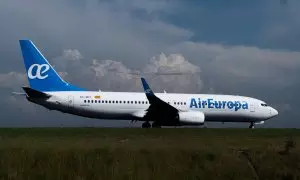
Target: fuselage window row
{"points": [[126, 102], [115, 102]]}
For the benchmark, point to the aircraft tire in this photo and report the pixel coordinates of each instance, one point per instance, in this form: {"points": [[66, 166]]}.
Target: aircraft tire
{"points": [[146, 125], [251, 125]]}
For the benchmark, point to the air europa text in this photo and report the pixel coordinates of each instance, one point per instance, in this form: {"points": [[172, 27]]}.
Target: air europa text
{"points": [[213, 104]]}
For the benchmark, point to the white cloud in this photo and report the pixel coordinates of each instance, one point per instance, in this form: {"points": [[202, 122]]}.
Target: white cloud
{"points": [[72, 54], [172, 63], [241, 62], [102, 68], [12, 80], [105, 30], [237, 62], [172, 72]]}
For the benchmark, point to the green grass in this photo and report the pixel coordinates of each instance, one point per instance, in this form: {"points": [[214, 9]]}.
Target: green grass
{"points": [[108, 153]]}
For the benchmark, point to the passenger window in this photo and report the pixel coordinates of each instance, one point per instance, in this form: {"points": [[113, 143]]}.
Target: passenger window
{"points": [[124, 102], [131, 102], [142, 102], [92, 101], [88, 101], [135, 102], [99, 101], [105, 101], [117, 102], [84, 101], [109, 101]]}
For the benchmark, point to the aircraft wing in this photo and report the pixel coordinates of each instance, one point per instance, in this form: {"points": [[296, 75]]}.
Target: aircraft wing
{"points": [[159, 111]]}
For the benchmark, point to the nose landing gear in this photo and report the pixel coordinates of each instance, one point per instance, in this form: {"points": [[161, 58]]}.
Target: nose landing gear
{"points": [[251, 125]]}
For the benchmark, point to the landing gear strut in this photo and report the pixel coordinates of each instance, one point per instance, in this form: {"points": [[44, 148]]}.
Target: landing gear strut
{"points": [[251, 125], [146, 125]]}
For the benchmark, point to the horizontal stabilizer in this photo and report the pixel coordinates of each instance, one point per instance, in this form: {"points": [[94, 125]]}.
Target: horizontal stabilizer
{"points": [[32, 93]]}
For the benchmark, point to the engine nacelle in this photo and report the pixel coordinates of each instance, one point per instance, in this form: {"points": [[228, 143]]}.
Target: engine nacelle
{"points": [[191, 117]]}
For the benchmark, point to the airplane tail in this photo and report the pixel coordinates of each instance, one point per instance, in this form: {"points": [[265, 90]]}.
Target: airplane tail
{"points": [[40, 73]]}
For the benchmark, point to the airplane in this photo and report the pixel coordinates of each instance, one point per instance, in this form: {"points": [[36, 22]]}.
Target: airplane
{"points": [[48, 89]]}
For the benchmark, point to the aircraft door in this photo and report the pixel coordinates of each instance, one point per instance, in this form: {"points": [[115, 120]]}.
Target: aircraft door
{"points": [[70, 101], [252, 107]]}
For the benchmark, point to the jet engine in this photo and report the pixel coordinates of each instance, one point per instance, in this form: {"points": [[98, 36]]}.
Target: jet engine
{"points": [[191, 117]]}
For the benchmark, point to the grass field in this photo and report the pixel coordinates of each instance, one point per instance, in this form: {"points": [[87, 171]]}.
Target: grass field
{"points": [[107, 153]]}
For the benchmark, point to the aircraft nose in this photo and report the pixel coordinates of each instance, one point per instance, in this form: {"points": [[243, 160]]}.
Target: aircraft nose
{"points": [[274, 112]]}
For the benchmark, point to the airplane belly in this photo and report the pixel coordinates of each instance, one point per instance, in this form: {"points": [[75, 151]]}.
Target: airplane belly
{"points": [[106, 112], [227, 117]]}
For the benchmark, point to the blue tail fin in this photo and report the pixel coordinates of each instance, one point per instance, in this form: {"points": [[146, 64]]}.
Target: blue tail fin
{"points": [[40, 73]]}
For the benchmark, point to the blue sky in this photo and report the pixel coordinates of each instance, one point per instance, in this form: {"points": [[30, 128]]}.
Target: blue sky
{"points": [[242, 47]]}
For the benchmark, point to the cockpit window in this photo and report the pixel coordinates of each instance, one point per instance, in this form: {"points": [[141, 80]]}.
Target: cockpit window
{"points": [[263, 104]]}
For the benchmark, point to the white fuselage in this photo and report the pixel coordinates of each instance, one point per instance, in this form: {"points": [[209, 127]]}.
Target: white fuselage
{"points": [[133, 105]]}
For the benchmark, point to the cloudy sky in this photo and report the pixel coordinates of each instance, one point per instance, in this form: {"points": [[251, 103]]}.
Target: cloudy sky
{"points": [[249, 48]]}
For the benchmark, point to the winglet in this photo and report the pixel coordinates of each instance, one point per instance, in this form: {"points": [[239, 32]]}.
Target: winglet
{"points": [[147, 89]]}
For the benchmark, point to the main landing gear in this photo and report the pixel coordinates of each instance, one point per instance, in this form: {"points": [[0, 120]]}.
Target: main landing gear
{"points": [[148, 125], [251, 125], [155, 125]]}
